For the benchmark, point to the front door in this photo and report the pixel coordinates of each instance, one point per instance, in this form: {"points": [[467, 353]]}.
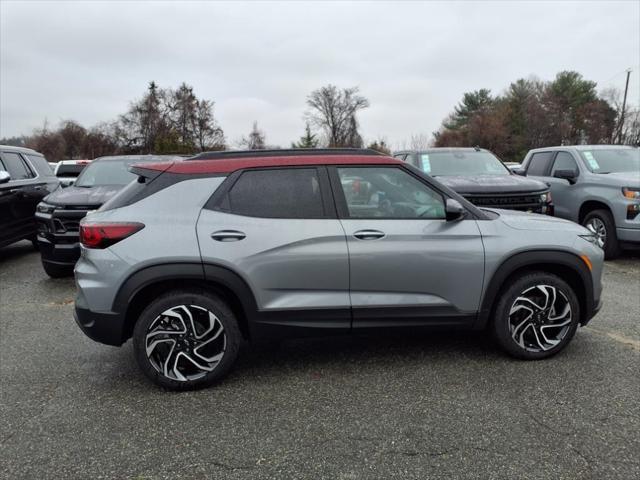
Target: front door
{"points": [[408, 265], [278, 230]]}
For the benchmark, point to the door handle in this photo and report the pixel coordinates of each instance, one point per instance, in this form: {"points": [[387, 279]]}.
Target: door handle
{"points": [[228, 236], [369, 234]]}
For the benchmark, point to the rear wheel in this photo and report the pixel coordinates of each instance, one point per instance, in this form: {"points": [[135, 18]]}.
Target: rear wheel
{"points": [[601, 224], [536, 317], [186, 339]]}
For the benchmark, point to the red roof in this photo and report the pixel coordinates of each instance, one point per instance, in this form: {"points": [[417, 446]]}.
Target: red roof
{"points": [[232, 164]]}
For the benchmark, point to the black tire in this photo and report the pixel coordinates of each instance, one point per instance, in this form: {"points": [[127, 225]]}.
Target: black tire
{"points": [[228, 342], [504, 327], [34, 242], [57, 271], [611, 245]]}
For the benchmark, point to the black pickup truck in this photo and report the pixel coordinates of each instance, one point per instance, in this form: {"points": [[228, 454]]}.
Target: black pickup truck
{"points": [[59, 214], [480, 177]]}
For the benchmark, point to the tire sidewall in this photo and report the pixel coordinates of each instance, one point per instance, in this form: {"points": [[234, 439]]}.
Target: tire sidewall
{"points": [[611, 246], [501, 328], [173, 299]]}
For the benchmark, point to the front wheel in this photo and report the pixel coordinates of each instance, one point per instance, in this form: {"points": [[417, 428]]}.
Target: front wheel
{"points": [[536, 317], [601, 224], [186, 339]]}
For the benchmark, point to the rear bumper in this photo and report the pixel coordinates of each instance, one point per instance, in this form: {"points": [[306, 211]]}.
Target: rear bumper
{"points": [[103, 327]]}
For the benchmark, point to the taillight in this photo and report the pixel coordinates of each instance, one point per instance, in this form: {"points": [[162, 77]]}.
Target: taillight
{"points": [[103, 235]]}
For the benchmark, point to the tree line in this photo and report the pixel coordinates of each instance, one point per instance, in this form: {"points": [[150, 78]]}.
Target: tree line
{"points": [[530, 113]]}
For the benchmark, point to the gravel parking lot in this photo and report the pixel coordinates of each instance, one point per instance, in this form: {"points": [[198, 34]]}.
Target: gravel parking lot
{"points": [[428, 406]]}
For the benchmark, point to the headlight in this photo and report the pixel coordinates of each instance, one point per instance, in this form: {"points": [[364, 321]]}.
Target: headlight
{"points": [[631, 193], [545, 197], [45, 208]]}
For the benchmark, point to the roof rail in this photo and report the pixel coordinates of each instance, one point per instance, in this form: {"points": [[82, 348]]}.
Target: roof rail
{"points": [[284, 152]]}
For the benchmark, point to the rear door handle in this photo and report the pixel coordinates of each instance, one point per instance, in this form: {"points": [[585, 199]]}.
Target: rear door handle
{"points": [[228, 236], [369, 234]]}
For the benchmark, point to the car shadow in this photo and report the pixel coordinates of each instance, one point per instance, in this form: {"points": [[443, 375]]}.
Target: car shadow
{"points": [[16, 251]]}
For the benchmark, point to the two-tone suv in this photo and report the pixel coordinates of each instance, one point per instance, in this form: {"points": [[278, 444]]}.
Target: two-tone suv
{"points": [[597, 186], [196, 256]]}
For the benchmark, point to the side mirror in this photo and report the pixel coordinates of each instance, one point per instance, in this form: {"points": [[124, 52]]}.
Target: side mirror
{"points": [[519, 171], [570, 175], [4, 176], [453, 210]]}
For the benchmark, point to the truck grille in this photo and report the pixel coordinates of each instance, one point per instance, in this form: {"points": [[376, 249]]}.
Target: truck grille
{"points": [[527, 203]]}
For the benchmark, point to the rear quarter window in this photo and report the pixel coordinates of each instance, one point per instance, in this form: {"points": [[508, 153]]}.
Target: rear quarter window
{"points": [[41, 165]]}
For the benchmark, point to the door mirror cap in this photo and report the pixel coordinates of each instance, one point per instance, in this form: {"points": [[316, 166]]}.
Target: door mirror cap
{"points": [[4, 176], [519, 171], [454, 210], [570, 175]]}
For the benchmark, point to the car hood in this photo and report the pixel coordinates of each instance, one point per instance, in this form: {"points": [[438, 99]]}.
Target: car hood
{"points": [[91, 196], [623, 179], [487, 184], [534, 221]]}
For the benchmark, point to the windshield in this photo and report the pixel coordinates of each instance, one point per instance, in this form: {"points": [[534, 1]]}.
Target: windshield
{"points": [[462, 163], [612, 161], [108, 172]]}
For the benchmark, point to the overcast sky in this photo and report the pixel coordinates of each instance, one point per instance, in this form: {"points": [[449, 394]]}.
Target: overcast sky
{"points": [[258, 61]]}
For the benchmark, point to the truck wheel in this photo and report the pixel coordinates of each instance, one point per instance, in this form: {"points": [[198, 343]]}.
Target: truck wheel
{"points": [[57, 271], [601, 223], [186, 339], [536, 316]]}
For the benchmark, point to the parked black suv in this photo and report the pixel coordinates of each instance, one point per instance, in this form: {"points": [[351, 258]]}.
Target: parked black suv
{"points": [[480, 177], [25, 178], [59, 214]]}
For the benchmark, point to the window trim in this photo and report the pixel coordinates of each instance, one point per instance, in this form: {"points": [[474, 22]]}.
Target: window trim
{"points": [[30, 168], [341, 201], [217, 199]]}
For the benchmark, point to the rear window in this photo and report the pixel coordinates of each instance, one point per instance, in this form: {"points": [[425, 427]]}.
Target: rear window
{"points": [[40, 164], [277, 193], [72, 170], [539, 163]]}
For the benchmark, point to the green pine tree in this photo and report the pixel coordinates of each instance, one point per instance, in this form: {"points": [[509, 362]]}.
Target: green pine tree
{"points": [[308, 140]]}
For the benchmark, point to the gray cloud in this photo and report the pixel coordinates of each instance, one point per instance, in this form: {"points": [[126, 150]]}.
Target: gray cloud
{"points": [[258, 61]]}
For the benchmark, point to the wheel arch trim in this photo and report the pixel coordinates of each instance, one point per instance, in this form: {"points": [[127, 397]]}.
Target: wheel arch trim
{"points": [[529, 261]]}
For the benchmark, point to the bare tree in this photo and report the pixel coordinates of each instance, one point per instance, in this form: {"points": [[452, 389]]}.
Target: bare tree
{"points": [[208, 135], [256, 139], [334, 112]]}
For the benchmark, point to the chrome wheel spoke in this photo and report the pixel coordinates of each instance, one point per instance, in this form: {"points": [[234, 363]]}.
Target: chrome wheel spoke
{"points": [[175, 347], [540, 318]]}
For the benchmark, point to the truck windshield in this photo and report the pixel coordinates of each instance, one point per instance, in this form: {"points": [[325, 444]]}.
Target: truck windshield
{"points": [[613, 160], [462, 163], [107, 172]]}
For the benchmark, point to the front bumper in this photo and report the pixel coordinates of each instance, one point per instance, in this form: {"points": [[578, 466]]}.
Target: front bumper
{"points": [[59, 236], [628, 235]]}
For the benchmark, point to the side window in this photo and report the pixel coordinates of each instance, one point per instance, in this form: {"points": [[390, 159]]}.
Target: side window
{"points": [[40, 164], [564, 161], [539, 164], [277, 193], [16, 166], [388, 192], [400, 156]]}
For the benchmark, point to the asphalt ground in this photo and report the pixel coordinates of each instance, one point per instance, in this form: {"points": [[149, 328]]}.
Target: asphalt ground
{"points": [[419, 406]]}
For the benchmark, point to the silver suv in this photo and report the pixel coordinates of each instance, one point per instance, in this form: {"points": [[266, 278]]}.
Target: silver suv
{"points": [[597, 186], [197, 256]]}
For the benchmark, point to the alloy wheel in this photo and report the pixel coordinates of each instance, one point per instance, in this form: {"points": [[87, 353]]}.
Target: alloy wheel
{"points": [[185, 342], [540, 318], [597, 227]]}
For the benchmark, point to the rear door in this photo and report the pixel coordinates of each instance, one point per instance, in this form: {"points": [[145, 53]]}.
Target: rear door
{"points": [[277, 228], [408, 265], [20, 196]]}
